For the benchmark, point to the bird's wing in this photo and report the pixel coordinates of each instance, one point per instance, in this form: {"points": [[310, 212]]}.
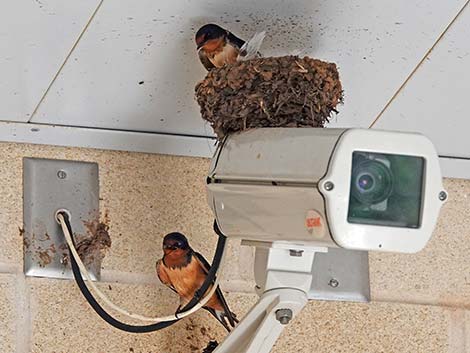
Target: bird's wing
{"points": [[205, 60], [250, 49], [205, 264], [227, 313], [233, 39], [163, 275]]}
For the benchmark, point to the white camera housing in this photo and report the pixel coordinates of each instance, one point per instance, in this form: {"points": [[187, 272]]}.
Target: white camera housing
{"points": [[299, 186]]}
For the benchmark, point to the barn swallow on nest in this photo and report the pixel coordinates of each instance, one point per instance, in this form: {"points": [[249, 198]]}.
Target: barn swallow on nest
{"points": [[183, 270], [217, 46]]}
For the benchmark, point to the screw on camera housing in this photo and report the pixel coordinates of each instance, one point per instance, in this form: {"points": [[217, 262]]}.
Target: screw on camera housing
{"points": [[443, 196]]}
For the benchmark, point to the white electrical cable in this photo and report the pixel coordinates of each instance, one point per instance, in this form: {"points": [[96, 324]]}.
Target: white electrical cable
{"points": [[108, 302]]}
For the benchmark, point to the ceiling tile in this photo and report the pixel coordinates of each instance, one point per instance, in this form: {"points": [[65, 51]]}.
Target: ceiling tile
{"points": [[435, 100], [35, 38], [136, 66]]}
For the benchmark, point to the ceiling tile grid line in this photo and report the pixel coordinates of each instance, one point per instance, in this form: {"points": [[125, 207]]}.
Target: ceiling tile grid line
{"points": [[146, 142], [416, 68], [82, 32]]}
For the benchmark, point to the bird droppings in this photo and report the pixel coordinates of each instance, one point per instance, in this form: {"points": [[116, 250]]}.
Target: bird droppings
{"points": [[44, 258], [45, 255], [286, 91]]}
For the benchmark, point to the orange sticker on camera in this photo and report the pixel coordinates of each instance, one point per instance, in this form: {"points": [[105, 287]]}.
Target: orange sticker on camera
{"points": [[313, 222]]}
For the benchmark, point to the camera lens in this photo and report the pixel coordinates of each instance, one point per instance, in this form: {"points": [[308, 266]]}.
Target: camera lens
{"points": [[365, 182], [386, 189], [372, 182]]}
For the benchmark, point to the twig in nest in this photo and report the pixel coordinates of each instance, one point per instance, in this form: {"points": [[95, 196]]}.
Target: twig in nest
{"points": [[305, 102], [302, 69], [282, 103], [263, 108], [311, 110]]}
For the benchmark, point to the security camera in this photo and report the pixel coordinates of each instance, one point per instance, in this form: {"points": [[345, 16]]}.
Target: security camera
{"points": [[297, 193], [350, 188]]}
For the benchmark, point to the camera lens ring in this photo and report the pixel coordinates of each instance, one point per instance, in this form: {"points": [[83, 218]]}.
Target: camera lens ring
{"points": [[371, 182], [365, 181]]}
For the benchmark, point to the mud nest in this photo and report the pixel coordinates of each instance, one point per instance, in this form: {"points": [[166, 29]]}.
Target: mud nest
{"points": [[94, 247], [286, 91]]}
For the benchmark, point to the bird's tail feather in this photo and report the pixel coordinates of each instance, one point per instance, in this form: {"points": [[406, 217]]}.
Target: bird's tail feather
{"points": [[250, 49], [227, 321], [231, 317]]}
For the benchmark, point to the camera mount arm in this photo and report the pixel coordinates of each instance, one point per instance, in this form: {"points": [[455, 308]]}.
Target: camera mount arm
{"points": [[283, 273]]}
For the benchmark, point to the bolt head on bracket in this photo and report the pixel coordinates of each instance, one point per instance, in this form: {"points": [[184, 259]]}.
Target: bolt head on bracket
{"points": [[284, 316]]}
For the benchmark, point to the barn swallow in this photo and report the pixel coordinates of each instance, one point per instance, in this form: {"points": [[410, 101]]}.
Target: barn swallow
{"points": [[183, 270], [217, 46]]}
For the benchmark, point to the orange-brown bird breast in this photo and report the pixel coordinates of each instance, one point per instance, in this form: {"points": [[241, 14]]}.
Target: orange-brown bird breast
{"points": [[220, 53], [187, 280], [214, 45]]}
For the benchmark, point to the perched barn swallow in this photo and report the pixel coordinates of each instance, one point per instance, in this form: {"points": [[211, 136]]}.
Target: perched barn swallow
{"points": [[183, 270], [217, 46]]}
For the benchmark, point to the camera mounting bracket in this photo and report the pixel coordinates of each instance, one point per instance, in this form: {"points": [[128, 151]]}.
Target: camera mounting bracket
{"points": [[287, 276]]}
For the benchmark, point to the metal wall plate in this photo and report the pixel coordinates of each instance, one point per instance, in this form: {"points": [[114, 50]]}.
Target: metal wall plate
{"points": [[341, 274], [49, 185]]}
